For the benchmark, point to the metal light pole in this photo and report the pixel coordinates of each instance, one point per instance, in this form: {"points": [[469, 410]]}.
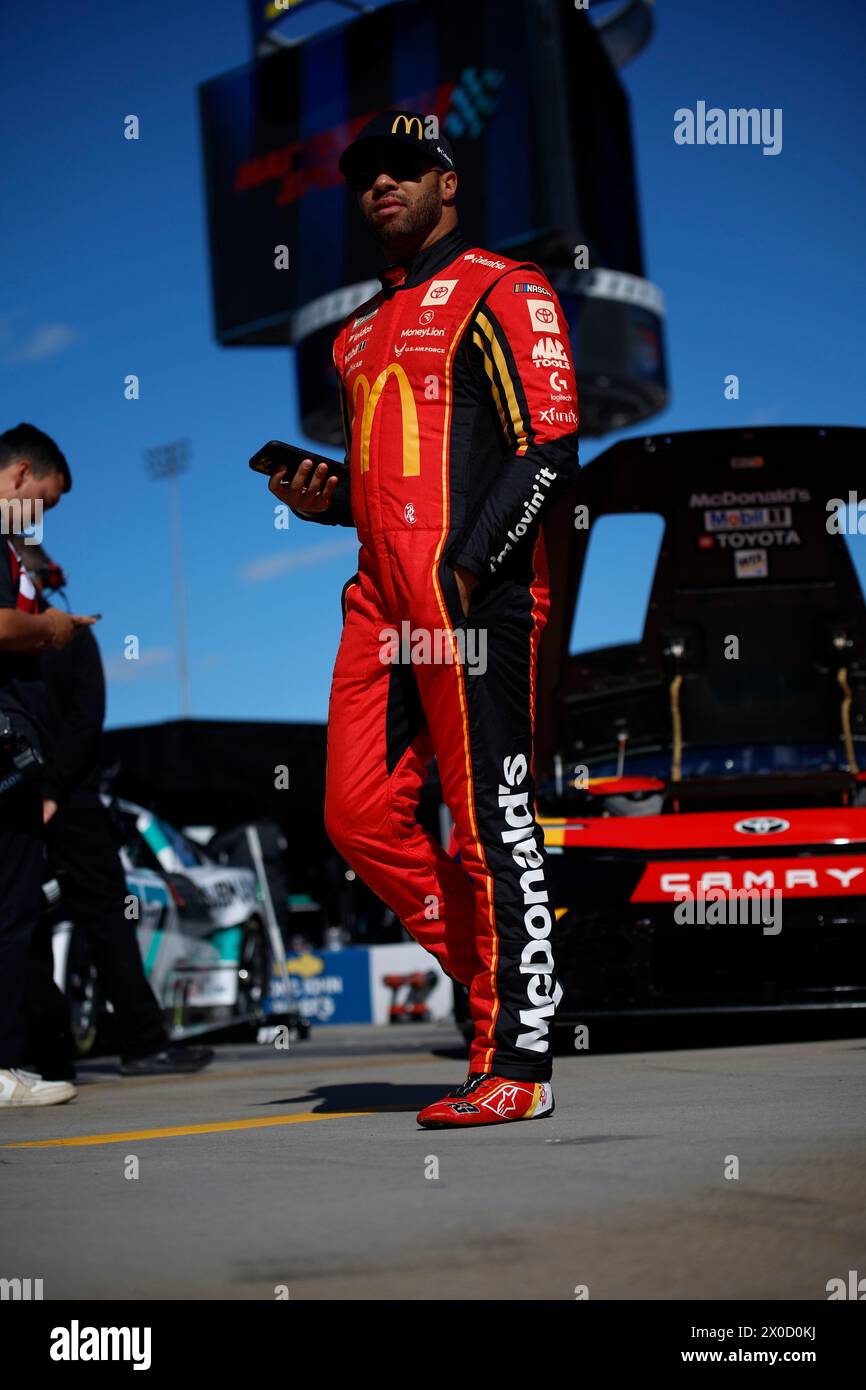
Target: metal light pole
{"points": [[169, 461]]}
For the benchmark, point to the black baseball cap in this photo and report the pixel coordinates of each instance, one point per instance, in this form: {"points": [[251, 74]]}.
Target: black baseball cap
{"points": [[405, 128]]}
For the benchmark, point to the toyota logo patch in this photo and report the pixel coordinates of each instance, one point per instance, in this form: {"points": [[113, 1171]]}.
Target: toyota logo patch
{"points": [[762, 825]]}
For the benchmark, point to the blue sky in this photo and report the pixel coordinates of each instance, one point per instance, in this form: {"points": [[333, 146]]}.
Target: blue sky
{"points": [[105, 272]]}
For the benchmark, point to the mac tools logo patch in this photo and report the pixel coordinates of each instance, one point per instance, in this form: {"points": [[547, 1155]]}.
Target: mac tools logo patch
{"points": [[549, 352]]}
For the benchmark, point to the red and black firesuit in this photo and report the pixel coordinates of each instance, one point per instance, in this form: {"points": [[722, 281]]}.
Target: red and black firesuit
{"points": [[460, 411]]}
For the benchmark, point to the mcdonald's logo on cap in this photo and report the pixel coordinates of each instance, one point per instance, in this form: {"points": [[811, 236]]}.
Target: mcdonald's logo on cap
{"points": [[405, 127], [407, 122]]}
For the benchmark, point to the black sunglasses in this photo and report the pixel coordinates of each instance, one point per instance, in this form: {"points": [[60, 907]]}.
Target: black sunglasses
{"points": [[403, 165]]}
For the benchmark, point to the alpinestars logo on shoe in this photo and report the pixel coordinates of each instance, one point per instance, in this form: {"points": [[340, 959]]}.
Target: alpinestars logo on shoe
{"points": [[503, 1101]]}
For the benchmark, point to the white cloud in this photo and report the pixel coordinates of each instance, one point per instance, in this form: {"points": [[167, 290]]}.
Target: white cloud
{"points": [[149, 663], [269, 567], [50, 340]]}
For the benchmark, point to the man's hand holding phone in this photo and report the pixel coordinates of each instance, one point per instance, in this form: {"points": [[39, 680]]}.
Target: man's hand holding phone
{"points": [[62, 626], [306, 483], [309, 492]]}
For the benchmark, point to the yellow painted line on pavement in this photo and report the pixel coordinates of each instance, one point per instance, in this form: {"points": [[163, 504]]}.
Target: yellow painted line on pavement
{"points": [[178, 1131]]}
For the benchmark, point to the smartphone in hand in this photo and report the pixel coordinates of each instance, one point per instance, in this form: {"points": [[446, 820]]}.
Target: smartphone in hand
{"points": [[275, 455]]}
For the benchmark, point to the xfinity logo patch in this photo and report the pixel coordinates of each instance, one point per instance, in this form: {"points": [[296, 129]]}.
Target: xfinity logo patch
{"points": [[552, 416], [762, 825]]}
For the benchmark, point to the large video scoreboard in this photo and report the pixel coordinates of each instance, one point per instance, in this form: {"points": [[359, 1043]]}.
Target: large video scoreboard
{"points": [[540, 126]]}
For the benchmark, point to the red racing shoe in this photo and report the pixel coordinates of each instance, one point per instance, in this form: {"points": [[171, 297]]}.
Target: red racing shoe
{"points": [[488, 1100]]}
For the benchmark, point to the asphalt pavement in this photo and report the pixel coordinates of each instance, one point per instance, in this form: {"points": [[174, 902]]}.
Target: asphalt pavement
{"points": [[709, 1172]]}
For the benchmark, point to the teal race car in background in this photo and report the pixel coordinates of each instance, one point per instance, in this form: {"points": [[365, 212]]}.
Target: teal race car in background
{"points": [[200, 928]]}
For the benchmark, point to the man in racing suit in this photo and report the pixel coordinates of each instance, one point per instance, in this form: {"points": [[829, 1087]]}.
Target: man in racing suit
{"points": [[459, 406]]}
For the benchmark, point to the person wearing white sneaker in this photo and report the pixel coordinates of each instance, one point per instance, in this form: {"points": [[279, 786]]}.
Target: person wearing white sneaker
{"points": [[34, 475], [27, 1088]]}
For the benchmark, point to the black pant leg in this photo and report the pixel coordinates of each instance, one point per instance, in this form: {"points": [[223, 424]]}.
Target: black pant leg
{"points": [[22, 865], [51, 1046], [499, 702], [82, 848]]}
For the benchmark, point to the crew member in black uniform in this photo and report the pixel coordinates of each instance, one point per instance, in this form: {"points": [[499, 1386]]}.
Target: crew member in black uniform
{"points": [[82, 854], [33, 477]]}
